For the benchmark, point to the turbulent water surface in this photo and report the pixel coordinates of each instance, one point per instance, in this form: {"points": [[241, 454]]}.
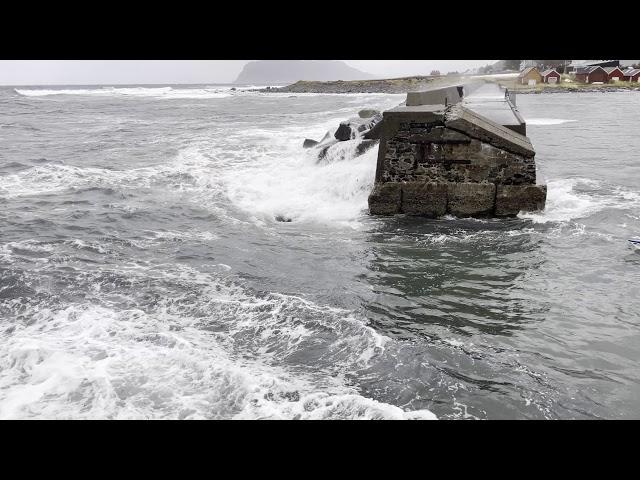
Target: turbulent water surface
{"points": [[143, 273]]}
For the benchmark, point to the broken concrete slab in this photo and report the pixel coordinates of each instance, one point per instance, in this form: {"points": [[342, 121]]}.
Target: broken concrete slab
{"points": [[512, 199], [476, 126], [385, 199], [470, 199], [437, 96], [427, 199]]}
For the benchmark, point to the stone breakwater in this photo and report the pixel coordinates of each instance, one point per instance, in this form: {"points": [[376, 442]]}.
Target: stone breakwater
{"points": [[435, 160], [391, 85]]}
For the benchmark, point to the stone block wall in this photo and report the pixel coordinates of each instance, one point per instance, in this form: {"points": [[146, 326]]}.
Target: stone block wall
{"points": [[419, 152], [453, 161]]}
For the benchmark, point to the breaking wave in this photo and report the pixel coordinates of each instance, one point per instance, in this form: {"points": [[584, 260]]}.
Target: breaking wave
{"points": [[149, 92], [574, 198], [214, 351], [547, 121]]}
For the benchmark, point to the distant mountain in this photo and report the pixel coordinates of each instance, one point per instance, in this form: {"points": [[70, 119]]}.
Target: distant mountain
{"points": [[268, 72]]}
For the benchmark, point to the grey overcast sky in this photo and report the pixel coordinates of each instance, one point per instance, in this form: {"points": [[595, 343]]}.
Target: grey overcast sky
{"points": [[88, 72]]}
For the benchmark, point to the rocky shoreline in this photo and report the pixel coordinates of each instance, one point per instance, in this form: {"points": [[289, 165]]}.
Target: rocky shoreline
{"points": [[391, 85]]}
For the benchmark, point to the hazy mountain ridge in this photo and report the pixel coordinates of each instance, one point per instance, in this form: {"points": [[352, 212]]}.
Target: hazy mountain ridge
{"points": [[289, 71]]}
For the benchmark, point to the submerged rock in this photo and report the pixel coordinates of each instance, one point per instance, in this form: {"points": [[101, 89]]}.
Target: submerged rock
{"points": [[282, 218], [323, 151], [368, 113]]}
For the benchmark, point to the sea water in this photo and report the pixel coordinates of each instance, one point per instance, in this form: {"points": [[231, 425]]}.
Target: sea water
{"points": [[144, 272]]}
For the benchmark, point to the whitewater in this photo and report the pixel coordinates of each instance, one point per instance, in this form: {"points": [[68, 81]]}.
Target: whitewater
{"points": [[145, 271]]}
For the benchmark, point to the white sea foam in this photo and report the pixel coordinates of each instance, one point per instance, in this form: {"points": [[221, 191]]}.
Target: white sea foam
{"points": [[273, 176], [168, 93], [565, 202], [547, 121], [91, 360], [301, 190], [172, 235]]}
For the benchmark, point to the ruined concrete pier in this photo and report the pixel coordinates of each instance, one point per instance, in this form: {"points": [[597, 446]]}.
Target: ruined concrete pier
{"points": [[458, 150]]}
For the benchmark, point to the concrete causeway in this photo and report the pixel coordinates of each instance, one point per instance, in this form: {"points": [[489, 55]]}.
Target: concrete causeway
{"points": [[489, 101]]}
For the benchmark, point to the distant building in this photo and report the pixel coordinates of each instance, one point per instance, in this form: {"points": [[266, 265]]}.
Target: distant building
{"points": [[575, 64], [632, 75], [628, 63], [550, 76], [591, 75], [529, 76], [558, 65], [614, 74], [435, 73]]}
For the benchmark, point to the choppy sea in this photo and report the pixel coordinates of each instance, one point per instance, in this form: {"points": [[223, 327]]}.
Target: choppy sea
{"points": [[143, 273]]}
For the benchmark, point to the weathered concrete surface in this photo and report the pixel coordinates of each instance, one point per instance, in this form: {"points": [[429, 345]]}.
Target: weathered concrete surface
{"points": [[430, 152], [428, 199], [489, 101], [375, 133], [512, 199], [470, 199], [439, 96], [476, 126], [385, 199]]}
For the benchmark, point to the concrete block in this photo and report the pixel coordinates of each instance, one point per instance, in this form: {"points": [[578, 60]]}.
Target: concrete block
{"points": [[385, 199], [476, 126], [428, 199], [512, 199], [471, 199], [436, 96]]}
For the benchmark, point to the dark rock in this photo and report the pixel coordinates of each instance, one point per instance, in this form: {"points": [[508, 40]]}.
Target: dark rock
{"points": [[353, 127], [344, 132], [323, 151], [233, 89], [308, 143], [281, 218]]}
